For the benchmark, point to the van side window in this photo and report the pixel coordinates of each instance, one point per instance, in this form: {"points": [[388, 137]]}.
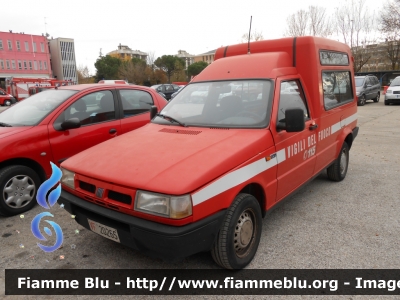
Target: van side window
{"points": [[337, 88], [135, 102], [291, 96]]}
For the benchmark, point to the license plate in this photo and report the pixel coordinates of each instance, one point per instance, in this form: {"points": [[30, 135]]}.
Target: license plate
{"points": [[103, 230]]}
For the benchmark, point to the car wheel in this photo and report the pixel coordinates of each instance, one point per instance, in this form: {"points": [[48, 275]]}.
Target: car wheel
{"points": [[338, 170], [18, 187], [237, 241], [361, 101], [377, 98], [7, 102]]}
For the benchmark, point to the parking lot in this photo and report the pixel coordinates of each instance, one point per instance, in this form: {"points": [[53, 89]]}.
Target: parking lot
{"points": [[350, 224]]}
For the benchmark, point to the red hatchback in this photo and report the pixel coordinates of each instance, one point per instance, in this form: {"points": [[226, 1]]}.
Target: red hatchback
{"points": [[56, 124]]}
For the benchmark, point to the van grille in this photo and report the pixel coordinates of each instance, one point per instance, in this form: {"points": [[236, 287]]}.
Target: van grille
{"points": [[91, 188], [123, 198]]}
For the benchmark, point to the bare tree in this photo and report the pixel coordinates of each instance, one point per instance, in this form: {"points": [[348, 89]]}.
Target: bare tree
{"points": [[313, 22], [254, 36], [390, 27], [83, 75], [355, 25]]}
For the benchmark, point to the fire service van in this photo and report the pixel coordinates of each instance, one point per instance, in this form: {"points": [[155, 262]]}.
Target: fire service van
{"points": [[254, 126]]}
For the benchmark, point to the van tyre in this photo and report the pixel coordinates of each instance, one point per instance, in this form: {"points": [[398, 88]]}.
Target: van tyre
{"points": [[237, 241], [18, 187], [376, 99], [338, 170], [361, 101]]}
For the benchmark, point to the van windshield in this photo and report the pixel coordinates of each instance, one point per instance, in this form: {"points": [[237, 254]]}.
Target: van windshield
{"points": [[232, 104]]}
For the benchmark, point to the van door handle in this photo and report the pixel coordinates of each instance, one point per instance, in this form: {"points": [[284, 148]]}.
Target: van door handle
{"points": [[113, 130], [313, 126]]}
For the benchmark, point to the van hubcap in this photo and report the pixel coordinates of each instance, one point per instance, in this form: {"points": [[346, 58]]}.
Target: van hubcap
{"points": [[19, 191], [244, 232], [343, 161]]}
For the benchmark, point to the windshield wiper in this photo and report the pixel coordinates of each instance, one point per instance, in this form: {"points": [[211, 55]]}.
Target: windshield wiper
{"points": [[5, 125], [171, 119]]}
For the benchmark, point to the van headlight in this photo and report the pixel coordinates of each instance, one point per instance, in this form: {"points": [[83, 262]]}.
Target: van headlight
{"points": [[68, 178], [174, 207], [388, 91]]}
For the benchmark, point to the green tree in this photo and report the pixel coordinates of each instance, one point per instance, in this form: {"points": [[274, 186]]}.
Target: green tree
{"points": [[170, 64], [107, 67], [195, 68]]}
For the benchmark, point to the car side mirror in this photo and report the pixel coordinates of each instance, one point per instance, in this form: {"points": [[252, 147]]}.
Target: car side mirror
{"points": [[294, 121], [153, 111], [71, 124]]}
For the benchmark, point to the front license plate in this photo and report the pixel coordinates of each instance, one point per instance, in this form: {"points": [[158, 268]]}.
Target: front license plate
{"points": [[104, 230]]}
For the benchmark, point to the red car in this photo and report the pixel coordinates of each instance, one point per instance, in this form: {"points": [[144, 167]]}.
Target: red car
{"points": [[6, 99], [58, 123]]}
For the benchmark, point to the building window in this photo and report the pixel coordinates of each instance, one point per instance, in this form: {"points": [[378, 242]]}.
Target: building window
{"points": [[42, 47], [18, 46], [2, 64], [19, 65], [9, 45], [40, 64], [34, 47], [8, 64], [30, 65], [45, 65], [13, 64], [35, 65], [25, 65], [26, 46], [1, 44]]}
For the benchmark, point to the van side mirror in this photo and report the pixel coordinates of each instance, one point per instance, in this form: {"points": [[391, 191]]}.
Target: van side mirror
{"points": [[71, 124], [294, 121], [153, 111]]}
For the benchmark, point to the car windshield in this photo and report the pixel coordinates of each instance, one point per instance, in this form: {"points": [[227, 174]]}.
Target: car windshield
{"points": [[359, 81], [395, 82], [227, 104], [35, 108]]}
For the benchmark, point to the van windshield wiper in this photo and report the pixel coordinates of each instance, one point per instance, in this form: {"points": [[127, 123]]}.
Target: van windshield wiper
{"points": [[171, 119], [5, 125]]}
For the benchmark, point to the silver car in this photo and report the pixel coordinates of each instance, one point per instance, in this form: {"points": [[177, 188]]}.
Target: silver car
{"points": [[393, 92]]}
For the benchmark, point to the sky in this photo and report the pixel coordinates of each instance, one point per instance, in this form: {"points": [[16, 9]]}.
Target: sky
{"points": [[161, 27]]}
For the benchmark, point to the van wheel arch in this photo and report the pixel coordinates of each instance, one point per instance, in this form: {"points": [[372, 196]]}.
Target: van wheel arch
{"points": [[257, 191]]}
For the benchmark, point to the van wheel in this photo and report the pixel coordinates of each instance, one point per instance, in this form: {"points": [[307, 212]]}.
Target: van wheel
{"points": [[377, 98], [361, 101], [237, 241], [18, 187], [338, 170]]}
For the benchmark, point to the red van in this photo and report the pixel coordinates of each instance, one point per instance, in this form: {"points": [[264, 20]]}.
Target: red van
{"points": [[6, 99], [266, 119]]}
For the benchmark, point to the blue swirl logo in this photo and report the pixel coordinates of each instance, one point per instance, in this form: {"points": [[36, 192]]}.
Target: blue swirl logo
{"points": [[41, 199]]}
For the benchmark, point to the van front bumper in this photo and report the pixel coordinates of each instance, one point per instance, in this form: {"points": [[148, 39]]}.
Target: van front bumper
{"points": [[154, 239]]}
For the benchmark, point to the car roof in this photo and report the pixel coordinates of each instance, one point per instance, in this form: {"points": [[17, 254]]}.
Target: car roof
{"points": [[80, 87]]}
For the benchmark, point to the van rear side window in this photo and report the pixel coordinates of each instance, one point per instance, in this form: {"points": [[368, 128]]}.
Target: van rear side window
{"points": [[331, 58], [337, 88]]}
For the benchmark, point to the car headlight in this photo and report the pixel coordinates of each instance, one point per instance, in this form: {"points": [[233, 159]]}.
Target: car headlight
{"points": [[174, 207], [388, 91], [68, 178]]}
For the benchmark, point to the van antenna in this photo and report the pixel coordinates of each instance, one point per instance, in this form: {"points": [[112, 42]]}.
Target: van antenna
{"points": [[248, 44]]}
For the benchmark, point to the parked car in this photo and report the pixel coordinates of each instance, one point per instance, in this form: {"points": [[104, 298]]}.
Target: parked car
{"points": [[176, 93], [6, 99], [166, 89], [393, 92], [55, 124], [368, 87]]}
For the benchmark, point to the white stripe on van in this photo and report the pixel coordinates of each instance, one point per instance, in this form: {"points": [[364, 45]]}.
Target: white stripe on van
{"points": [[336, 127]]}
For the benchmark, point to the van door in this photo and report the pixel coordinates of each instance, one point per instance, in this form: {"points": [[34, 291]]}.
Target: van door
{"points": [[296, 150]]}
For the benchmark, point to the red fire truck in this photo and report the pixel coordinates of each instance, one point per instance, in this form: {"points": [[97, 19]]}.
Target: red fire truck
{"points": [[19, 87]]}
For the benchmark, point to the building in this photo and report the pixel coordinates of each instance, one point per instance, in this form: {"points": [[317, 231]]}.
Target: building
{"points": [[63, 62], [23, 55], [188, 58], [124, 52], [208, 57]]}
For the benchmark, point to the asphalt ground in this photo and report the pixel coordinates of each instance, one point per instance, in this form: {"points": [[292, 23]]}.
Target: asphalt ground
{"points": [[326, 225]]}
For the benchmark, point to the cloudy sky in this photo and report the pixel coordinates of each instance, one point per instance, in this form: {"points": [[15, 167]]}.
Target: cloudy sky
{"points": [[158, 26]]}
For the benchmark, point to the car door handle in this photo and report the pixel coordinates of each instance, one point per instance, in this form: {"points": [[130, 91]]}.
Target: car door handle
{"points": [[313, 126], [113, 130]]}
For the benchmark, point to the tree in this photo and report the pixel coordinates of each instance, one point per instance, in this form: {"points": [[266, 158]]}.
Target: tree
{"points": [[355, 25], [312, 22], [83, 75], [254, 36], [107, 67], [390, 28], [195, 68], [170, 64], [133, 70]]}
